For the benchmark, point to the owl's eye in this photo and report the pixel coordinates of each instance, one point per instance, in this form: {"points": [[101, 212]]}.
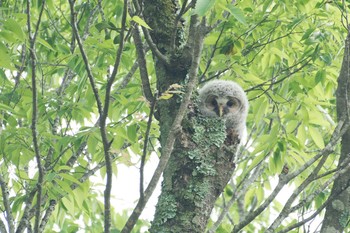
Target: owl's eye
{"points": [[211, 102], [233, 102], [230, 103]]}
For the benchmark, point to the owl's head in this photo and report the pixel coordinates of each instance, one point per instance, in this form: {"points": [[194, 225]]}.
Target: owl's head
{"points": [[221, 98]]}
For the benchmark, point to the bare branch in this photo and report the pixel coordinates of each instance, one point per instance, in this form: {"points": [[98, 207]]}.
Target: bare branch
{"points": [[314, 194], [47, 215], [142, 64], [84, 56], [145, 143], [246, 181], [2, 227], [23, 224], [103, 117], [128, 76], [285, 178], [32, 40], [6, 201], [286, 209], [154, 48], [214, 48]]}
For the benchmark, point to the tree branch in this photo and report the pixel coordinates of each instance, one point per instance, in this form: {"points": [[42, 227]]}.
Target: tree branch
{"points": [[154, 48], [6, 201], [285, 178], [103, 118], [128, 76], [84, 56], [313, 195], [32, 40], [103, 110], [214, 48], [2, 227], [146, 87], [145, 143], [26, 212], [246, 181], [47, 215], [287, 207]]}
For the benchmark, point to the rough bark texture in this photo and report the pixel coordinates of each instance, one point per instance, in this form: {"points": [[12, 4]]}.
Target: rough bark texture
{"points": [[167, 74], [201, 163], [338, 211], [198, 170]]}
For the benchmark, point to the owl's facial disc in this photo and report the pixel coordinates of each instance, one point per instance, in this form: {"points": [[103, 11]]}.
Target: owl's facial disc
{"points": [[222, 105]]}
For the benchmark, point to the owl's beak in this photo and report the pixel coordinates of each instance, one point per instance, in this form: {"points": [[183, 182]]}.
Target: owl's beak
{"points": [[221, 110]]}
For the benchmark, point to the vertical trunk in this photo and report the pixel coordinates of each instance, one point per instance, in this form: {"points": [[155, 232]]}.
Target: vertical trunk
{"points": [[201, 163], [167, 74], [338, 211], [199, 168]]}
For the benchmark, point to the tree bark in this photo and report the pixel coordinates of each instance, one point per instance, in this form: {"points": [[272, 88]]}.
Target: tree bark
{"points": [[201, 163], [338, 211], [198, 170]]}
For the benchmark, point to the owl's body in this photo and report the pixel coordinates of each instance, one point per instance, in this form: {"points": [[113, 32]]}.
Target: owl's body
{"points": [[225, 99]]}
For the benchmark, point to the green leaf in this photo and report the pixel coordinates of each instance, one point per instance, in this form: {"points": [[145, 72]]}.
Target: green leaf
{"points": [[165, 96], [140, 22], [203, 6], [70, 178], [69, 205], [316, 137], [65, 186], [92, 144], [7, 108], [106, 25], [131, 132], [237, 13], [13, 26], [5, 58], [44, 43]]}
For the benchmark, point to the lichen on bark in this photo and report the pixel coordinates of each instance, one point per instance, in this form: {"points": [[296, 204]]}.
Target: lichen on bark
{"points": [[198, 170]]}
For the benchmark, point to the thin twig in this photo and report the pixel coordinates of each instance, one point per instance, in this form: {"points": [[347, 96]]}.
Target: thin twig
{"points": [[145, 143], [128, 76], [103, 118], [84, 56], [317, 192], [213, 52], [246, 181], [286, 208], [175, 28], [24, 222], [284, 179]]}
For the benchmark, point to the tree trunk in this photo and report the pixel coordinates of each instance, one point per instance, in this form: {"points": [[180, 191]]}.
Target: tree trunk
{"points": [[338, 210], [201, 163], [198, 170]]}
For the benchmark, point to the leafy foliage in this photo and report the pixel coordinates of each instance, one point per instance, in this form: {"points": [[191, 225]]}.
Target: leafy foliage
{"points": [[286, 55]]}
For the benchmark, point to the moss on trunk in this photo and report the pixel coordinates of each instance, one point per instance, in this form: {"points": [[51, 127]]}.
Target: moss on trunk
{"points": [[198, 170], [201, 163]]}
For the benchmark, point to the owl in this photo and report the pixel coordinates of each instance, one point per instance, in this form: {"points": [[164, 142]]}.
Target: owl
{"points": [[225, 99]]}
